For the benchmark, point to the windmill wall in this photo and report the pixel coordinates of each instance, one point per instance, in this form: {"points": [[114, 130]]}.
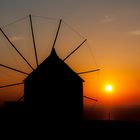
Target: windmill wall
{"points": [[55, 89]]}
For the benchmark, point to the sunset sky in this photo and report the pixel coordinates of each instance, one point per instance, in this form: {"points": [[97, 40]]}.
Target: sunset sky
{"points": [[112, 28]]}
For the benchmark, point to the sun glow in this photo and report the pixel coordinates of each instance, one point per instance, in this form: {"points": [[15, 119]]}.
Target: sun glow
{"points": [[108, 88]]}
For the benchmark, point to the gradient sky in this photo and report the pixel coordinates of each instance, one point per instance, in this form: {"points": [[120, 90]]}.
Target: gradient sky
{"points": [[112, 28]]}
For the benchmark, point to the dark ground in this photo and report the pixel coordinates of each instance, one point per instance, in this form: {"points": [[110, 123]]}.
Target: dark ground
{"points": [[26, 123], [29, 126]]}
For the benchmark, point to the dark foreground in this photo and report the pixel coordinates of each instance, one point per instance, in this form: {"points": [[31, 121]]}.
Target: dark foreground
{"points": [[111, 125], [24, 122], [29, 119], [29, 126]]}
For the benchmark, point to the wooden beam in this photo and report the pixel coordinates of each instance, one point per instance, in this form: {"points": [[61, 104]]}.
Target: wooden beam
{"points": [[31, 24], [75, 50], [13, 69], [16, 48], [11, 85], [91, 98], [84, 72], [20, 98], [57, 33]]}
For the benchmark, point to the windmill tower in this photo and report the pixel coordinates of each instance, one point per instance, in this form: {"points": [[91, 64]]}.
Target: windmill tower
{"points": [[53, 88]]}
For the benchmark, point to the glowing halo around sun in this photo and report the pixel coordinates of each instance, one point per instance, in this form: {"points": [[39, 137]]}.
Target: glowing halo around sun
{"points": [[108, 88]]}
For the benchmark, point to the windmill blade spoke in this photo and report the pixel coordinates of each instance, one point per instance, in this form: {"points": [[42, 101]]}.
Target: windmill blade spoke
{"points": [[57, 33], [31, 24], [91, 98], [16, 49], [84, 72], [75, 50], [20, 98], [11, 85], [13, 69]]}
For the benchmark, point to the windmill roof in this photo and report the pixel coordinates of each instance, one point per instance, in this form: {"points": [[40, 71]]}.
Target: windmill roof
{"points": [[54, 62]]}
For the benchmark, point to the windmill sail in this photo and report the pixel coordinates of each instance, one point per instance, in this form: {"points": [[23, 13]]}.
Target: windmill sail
{"points": [[11, 85], [13, 69], [16, 49]]}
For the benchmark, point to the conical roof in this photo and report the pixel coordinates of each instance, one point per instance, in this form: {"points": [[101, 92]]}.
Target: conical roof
{"points": [[54, 63]]}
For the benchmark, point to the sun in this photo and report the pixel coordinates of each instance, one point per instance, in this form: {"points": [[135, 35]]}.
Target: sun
{"points": [[108, 88]]}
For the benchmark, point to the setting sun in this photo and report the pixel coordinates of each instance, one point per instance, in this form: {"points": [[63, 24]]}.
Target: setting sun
{"points": [[108, 88]]}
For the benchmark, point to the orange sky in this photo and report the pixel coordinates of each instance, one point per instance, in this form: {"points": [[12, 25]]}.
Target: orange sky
{"points": [[113, 33]]}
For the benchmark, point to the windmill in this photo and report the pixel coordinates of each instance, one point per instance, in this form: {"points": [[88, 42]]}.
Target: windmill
{"points": [[51, 80]]}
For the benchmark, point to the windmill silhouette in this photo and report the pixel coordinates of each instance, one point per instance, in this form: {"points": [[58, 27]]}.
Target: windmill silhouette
{"points": [[52, 85]]}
